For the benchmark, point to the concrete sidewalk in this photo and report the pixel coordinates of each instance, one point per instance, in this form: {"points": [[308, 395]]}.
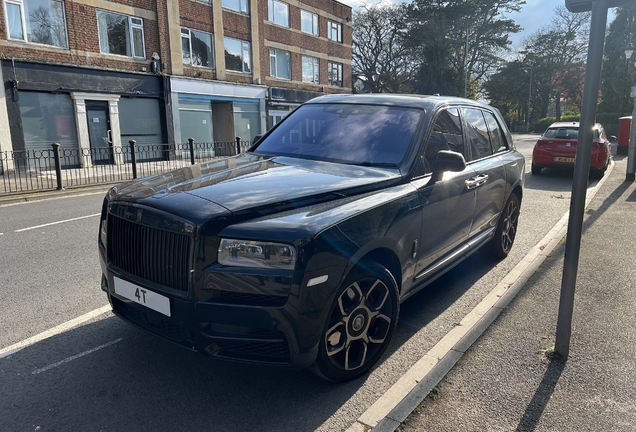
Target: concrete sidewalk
{"points": [[504, 382]]}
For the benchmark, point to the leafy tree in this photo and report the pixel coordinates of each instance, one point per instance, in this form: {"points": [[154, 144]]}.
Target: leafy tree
{"points": [[458, 42], [507, 89], [569, 82], [615, 81], [378, 47]]}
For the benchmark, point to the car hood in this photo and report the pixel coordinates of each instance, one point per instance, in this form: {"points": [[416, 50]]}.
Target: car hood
{"points": [[253, 185]]}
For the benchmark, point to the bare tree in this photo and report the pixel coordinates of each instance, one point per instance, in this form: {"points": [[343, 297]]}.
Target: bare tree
{"points": [[552, 48], [379, 52]]}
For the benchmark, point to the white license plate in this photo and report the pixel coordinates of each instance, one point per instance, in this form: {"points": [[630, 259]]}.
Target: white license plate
{"points": [[143, 296], [563, 159]]}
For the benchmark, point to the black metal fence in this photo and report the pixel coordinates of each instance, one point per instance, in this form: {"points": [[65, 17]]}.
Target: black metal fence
{"points": [[59, 168]]}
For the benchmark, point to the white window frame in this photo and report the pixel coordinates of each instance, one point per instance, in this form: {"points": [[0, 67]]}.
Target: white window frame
{"points": [[246, 49], [188, 36], [337, 68], [244, 6], [271, 16], [23, 23], [316, 69], [334, 31], [315, 30], [131, 26], [273, 68]]}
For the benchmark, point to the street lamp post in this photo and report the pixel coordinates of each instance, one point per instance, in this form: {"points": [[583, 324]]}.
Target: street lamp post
{"points": [[375, 76], [631, 149], [529, 98]]}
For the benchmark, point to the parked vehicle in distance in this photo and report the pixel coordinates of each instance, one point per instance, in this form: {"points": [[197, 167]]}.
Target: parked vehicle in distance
{"points": [[557, 148], [300, 251]]}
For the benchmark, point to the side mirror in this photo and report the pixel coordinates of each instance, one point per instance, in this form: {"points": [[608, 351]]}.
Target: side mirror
{"points": [[613, 139], [447, 160]]}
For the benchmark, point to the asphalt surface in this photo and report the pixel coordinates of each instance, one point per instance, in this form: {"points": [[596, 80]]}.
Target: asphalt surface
{"points": [[505, 382]]}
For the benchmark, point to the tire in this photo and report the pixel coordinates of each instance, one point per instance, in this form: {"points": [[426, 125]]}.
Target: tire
{"points": [[360, 324], [598, 174], [506, 231], [536, 170]]}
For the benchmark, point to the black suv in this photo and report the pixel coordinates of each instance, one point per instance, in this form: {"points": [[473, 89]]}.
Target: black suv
{"points": [[300, 251]]}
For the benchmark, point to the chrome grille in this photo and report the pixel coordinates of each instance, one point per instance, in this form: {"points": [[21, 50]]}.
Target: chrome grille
{"points": [[152, 254]]}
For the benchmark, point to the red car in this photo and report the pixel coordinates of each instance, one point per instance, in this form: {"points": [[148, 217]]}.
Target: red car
{"points": [[557, 148]]}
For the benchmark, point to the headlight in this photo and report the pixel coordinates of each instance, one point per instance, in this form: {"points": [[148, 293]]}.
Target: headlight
{"points": [[256, 254], [102, 231], [103, 221]]}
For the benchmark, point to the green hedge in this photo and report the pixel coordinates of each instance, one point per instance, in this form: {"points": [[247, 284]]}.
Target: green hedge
{"points": [[602, 118], [608, 118]]}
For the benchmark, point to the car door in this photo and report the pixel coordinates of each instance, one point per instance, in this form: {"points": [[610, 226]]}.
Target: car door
{"points": [[447, 205], [485, 142]]}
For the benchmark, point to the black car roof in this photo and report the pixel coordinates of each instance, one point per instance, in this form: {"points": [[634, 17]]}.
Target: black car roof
{"points": [[417, 101]]}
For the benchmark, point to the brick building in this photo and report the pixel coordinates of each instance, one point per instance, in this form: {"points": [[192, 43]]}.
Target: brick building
{"points": [[93, 74]]}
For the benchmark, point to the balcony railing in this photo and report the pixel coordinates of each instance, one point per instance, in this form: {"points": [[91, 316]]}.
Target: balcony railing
{"points": [[59, 168]]}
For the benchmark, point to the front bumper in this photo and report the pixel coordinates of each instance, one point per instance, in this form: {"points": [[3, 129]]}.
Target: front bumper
{"points": [[279, 334]]}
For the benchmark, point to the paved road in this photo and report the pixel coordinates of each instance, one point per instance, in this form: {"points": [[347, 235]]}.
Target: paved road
{"points": [[107, 375]]}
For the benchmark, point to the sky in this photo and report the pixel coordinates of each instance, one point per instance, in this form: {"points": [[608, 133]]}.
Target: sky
{"points": [[533, 15]]}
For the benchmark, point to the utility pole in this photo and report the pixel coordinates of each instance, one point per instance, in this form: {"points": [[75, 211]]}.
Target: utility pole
{"points": [[581, 169], [466, 66], [530, 97]]}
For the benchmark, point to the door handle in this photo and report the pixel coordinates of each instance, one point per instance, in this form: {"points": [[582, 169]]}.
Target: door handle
{"points": [[110, 136], [475, 182]]}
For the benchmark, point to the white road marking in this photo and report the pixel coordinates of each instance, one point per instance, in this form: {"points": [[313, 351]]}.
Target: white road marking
{"points": [[58, 222], [12, 349], [54, 365]]}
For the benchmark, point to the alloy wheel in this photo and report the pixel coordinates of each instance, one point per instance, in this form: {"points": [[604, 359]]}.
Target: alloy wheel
{"points": [[509, 230], [360, 324]]}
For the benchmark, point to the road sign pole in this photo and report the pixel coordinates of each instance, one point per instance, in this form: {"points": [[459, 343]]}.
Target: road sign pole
{"points": [[581, 175]]}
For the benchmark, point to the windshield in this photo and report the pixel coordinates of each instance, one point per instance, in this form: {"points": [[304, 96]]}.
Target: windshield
{"points": [[368, 135]]}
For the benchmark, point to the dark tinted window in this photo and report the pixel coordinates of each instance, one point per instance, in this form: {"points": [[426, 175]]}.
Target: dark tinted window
{"points": [[562, 133], [496, 135], [446, 134], [476, 134], [346, 133]]}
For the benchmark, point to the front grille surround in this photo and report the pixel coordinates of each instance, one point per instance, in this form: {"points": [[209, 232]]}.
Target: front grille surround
{"points": [[162, 257]]}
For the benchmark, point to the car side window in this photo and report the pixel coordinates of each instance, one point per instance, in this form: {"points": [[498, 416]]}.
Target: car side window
{"points": [[497, 139], [446, 134], [476, 134]]}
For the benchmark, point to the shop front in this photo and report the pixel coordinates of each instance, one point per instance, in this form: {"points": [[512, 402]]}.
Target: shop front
{"points": [[213, 112], [90, 113]]}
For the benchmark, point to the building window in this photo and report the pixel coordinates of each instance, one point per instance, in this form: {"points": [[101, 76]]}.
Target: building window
{"points": [[237, 5], [48, 118], [279, 63], [311, 70], [197, 48], [309, 22], [334, 31], [335, 73], [238, 55], [278, 12], [37, 21], [121, 34]]}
